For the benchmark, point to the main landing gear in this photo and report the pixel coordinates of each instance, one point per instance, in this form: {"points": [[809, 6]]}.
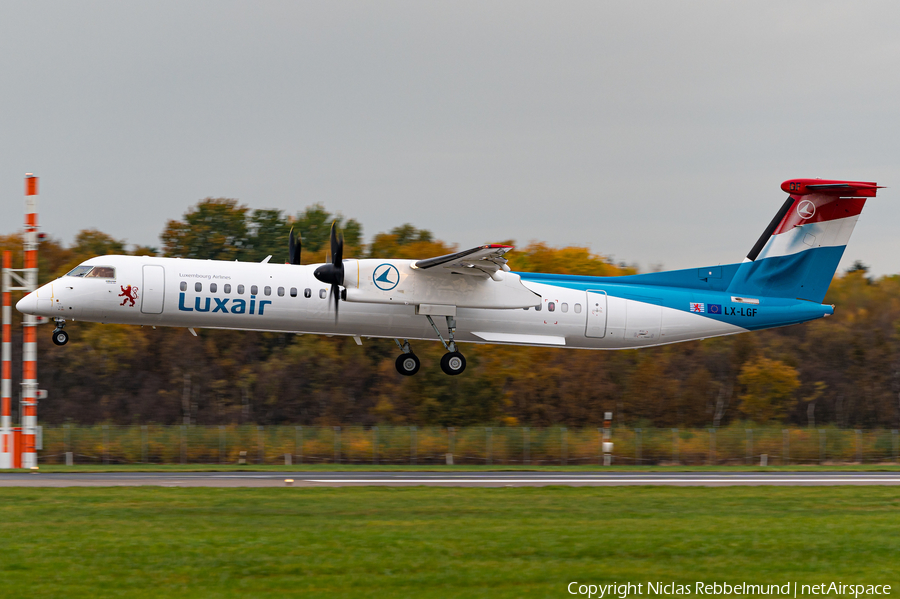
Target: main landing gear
{"points": [[60, 337], [452, 362], [407, 363]]}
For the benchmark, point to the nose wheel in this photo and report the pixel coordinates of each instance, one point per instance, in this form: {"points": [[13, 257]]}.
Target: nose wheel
{"points": [[60, 337]]}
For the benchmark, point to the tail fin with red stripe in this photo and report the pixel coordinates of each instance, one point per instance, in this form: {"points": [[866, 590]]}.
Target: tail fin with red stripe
{"points": [[799, 252]]}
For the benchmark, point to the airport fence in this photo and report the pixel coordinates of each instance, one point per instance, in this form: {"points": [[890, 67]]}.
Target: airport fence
{"points": [[152, 444]]}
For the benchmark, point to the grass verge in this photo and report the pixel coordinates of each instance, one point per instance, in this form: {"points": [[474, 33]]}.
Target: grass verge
{"points": [[456, 468], [436, 542]]}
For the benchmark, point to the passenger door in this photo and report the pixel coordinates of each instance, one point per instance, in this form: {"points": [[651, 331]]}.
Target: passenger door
{"points": [[154, 291], [596, 314]]}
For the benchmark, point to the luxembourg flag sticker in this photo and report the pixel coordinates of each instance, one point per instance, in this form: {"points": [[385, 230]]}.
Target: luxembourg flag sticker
{"points": [[695, 307]]}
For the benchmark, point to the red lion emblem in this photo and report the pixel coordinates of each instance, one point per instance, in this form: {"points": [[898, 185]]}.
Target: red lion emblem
{"points": [[129, 293]]}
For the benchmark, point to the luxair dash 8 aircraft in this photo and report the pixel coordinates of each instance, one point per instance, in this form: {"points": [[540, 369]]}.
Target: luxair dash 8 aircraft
{"points": [[472, 296]]}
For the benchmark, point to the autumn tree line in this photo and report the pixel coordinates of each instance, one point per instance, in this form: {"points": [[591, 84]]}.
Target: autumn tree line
{"points": [[842, 371]]}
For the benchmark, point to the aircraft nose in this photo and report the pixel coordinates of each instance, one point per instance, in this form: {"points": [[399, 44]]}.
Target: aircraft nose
{"points": [[28, 304]]}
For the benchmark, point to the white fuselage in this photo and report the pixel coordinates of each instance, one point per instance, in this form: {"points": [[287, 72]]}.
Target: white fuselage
{"points": [[216, 294]]}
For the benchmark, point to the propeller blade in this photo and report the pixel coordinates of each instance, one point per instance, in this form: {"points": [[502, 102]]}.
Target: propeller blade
{"points": [[337, 246], [335, 291], [333, 273], [294, 248]]}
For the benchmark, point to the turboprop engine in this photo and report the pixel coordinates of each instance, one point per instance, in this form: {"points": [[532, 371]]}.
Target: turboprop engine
{"points": [[401, 282]]}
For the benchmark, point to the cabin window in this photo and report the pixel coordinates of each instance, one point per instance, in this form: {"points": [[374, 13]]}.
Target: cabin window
{"points": [[227, 287], [79, 271], [307, 292], [577, 308], [537, 308], [254, 290], [322, 294], [551, 306], [564, 307], [198, 286], [281, 292], [240, 290], [293, 292], [101, 272], [213, 287], [267, 290], [183, 286]]}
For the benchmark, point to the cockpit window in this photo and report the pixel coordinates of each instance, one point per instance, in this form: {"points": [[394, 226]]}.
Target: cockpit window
{"points": [[79, 271], [101, 272]]}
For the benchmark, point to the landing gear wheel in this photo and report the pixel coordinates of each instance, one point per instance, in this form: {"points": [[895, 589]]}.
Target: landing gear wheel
{"points": [[60, 337], [453, 363], [407, 364]]}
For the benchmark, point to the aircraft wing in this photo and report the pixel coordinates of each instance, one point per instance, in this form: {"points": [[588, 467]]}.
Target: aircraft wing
{"points": [[479, 261], [486, 282]]}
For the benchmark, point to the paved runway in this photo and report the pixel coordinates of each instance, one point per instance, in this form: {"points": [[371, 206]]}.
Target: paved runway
{"points": [[442, 479]]}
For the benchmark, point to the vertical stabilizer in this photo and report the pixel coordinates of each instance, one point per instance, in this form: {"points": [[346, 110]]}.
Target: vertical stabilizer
{"points": [[799, 252]]}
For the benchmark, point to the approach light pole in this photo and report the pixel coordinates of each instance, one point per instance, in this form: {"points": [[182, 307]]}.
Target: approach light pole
{"points": [[29, 345], [6, 433], [26, 280]]}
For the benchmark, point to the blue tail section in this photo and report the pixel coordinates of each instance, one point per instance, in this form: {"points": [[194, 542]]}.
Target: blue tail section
{"points": [[804, 275], [797, 254]]}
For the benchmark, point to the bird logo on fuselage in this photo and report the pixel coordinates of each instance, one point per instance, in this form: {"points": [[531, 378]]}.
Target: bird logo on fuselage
{"points": [[386, 276], [806, 209]]}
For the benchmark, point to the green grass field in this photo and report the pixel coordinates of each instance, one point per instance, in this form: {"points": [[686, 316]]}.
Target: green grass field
{"points": [[436, 542]]}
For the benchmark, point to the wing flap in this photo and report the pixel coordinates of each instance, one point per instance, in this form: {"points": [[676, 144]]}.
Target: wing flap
{"points": [[479, 261]]}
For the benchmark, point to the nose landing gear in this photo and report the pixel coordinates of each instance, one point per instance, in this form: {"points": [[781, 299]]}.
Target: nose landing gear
{"points": [[60, 337]]}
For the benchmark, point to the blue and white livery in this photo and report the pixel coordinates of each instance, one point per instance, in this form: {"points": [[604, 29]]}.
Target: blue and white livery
{"points": [[473, 297]]}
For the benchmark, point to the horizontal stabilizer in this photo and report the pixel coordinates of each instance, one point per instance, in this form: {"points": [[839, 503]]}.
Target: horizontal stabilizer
{"points": [[843, 189]]}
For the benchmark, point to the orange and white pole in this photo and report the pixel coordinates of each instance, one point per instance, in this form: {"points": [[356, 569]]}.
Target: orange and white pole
{"points": [[29, 348], [6, 433]]}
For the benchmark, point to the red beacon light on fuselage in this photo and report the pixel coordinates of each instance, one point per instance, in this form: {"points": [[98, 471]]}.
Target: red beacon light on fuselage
{"points": [[845, 189]]}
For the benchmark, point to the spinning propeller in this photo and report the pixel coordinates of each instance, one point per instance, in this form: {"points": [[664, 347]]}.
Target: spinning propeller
{"points": [[294, 249], [333, 274]]}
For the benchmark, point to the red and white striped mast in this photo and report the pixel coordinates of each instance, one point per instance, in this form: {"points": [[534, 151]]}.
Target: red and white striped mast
{"points": [[29, 323], [26, 279], [6, 433]]}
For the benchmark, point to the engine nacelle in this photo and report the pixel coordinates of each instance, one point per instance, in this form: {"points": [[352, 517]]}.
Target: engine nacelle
{"points": [[399, 282]]}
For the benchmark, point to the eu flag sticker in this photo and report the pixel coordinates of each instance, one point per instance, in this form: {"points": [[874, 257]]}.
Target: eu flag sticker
{"points": [[714, 308]]}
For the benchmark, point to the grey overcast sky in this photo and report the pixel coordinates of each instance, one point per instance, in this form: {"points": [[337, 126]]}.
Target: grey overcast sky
{"points": [[655, 132]]}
